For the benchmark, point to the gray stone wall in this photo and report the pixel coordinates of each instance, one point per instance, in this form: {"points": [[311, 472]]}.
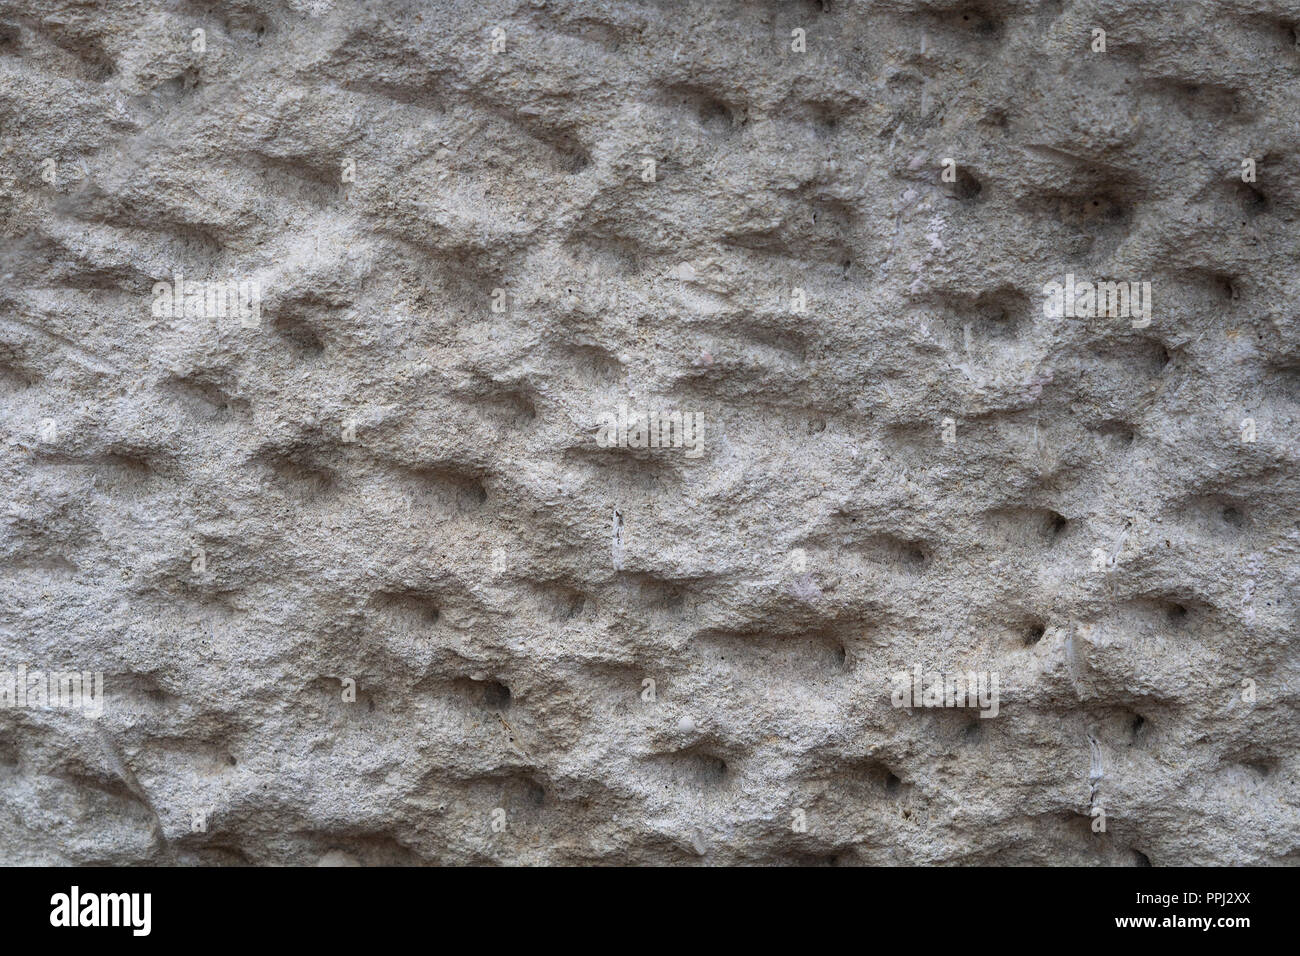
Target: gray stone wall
{"points": [[330, 334]]}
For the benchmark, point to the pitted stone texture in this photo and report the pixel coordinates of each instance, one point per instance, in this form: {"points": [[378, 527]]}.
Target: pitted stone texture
{"points": [[648, 184]]}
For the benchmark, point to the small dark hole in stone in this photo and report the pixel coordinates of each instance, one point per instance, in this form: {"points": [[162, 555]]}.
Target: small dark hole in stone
{"points": [[1136, 725], [966, 187], [496, 696]]}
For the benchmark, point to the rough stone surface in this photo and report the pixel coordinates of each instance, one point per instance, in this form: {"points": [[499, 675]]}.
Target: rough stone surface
{"points": [[1093, 526]]}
